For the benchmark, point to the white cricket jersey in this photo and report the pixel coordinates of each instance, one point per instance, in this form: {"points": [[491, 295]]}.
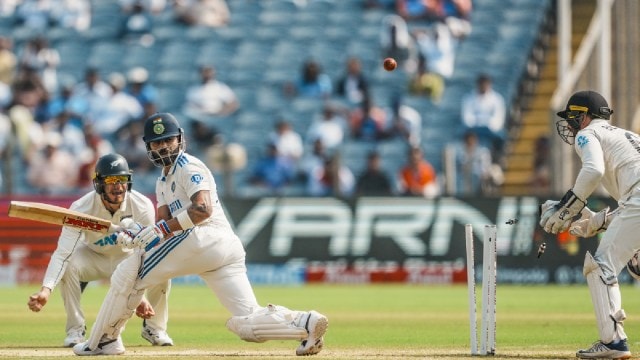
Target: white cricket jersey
{"points": [[610, 155], [135, 206], [186, 177]]}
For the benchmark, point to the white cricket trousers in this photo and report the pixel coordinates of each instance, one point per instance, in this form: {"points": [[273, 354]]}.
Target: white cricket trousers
{"points": [[86, 265], [218, 257], [620, 241]]}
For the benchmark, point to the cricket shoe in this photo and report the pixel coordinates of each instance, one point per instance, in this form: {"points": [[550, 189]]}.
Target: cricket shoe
{"points": [[75, 336], [316, 325], [155, 337], [599, 350], [105, 347]]}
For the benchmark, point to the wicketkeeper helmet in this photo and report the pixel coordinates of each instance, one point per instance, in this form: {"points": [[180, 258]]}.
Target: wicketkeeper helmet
{"points": [[580, 103]]}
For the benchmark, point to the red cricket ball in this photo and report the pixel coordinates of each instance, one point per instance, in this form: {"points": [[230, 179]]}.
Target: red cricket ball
{"points": [[390, 64]]}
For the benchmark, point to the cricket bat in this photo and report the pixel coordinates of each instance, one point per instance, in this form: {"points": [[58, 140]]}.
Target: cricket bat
{"points": [[52, 214]]}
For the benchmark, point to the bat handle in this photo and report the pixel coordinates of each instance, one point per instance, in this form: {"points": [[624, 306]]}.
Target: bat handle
{"points": [[115, 228]]}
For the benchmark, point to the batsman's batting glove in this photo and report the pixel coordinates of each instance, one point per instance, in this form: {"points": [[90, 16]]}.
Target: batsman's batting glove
{"points": [[150, 236], [558, 217]]}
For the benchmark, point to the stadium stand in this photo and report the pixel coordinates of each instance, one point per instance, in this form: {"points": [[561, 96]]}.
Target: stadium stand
{"points": [[264, 46]]}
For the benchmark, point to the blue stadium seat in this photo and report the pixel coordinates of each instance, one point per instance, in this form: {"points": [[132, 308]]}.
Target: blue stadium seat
{"points": [[170, 98]]}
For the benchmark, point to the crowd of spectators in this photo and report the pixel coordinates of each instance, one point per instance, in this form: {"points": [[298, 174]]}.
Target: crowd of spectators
{"points": [[62, 123]]}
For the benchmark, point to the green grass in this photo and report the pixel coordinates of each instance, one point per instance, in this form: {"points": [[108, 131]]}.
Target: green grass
{"points": [[382, 321]]}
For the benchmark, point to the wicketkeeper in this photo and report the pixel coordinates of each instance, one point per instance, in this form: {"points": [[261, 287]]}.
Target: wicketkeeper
{"points": [[610, 157]]}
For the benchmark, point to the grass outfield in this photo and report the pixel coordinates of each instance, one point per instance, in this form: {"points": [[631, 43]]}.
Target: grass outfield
{"points": [[365, 322]]}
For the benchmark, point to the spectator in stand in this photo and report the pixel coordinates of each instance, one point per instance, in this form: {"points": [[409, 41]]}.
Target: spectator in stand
{"points": [[273, 171], [312, 159], [426, 83], [119, 110], [34, 14], [312, 83], [73, 138], [137, 24], [418, 177], [456, 14], [434, 10], [353, 85], [473, 166], [94, 92], [130, 144], [53, 171], [211, 100], [28, 94], [328, 128], [40, 14], [396, 42], [406, 122], [96, 147], [412, 10], [331, 178], [73, 14], [8, 60], [226, 158], [42, 58], [287, 141], [139, 87], [369, 121], [64, 100], [8, 7], [155, 7], [483, 111], [373, 181], [211, 13], [438, 47]]}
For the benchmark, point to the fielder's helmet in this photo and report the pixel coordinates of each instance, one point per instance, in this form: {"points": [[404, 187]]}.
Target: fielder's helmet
{"points": [[158, 127], [580, 103], [110, 165], [590, 102]]}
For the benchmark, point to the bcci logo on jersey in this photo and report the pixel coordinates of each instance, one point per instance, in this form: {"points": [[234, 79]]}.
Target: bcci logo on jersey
{"points": [[197, 178]]}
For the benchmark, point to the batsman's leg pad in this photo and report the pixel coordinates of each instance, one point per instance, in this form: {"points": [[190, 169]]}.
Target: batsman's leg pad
{"points": [[607, 301], [120, 302], [270, 323]]}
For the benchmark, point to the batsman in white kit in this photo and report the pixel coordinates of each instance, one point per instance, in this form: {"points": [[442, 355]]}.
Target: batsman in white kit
{"points": [[84, 256], [610, 156], [192, 236]]}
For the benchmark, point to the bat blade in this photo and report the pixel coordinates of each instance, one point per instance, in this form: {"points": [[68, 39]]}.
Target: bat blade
{"points": [[57, 215]]}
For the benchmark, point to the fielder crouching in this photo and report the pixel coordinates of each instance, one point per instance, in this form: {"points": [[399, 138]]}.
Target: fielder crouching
{"points": [[610, 157], [192, 236], [82, 256]]}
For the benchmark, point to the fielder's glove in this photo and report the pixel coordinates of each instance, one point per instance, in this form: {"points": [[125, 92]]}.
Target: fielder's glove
{"points": [[595, 224], [150, 236], [558, 217]]}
